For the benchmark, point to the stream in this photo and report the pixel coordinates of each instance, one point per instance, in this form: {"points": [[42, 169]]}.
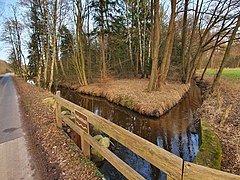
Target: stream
{"points": [[176, 131]]}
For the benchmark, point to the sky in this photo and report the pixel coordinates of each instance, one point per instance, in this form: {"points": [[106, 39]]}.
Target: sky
{"points": [[5, 10]]}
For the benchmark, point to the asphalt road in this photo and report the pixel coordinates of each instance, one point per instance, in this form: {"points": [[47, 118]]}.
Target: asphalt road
{"points": [[15, 161]]}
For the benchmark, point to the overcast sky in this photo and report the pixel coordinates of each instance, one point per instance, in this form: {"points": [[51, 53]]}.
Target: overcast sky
{"points": [[5, 10]]}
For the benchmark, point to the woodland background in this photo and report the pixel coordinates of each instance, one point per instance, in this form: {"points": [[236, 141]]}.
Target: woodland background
{"points": [[97, 39]]}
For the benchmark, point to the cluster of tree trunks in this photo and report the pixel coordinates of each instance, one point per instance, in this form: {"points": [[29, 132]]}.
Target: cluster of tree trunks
{"points": [[100, 38]]}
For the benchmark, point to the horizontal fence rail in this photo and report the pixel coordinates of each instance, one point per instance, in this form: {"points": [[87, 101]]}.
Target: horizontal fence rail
{"points": [[172, 165], [121, 166], [195, 172]]}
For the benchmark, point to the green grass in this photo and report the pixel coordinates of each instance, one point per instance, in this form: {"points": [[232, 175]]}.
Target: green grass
{"points": [[228, 72]]}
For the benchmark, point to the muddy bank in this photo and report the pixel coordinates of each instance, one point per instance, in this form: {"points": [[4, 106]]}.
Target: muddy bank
{"points": [[221, 112], [132, 93], [55, 154], [210, 151]]}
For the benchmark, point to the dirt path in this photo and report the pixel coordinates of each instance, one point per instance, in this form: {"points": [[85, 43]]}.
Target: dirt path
{"points": [[14, 157]]}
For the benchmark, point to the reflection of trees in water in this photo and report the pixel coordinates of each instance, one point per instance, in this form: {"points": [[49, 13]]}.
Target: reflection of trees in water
{"points": [[171, 131]]}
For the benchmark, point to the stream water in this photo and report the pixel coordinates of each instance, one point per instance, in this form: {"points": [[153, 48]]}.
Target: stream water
{"points": [[176, 131]]}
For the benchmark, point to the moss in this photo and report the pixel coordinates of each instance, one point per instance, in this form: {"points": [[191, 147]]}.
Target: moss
{"points": [[92, 94], [128, 104], [210, 151]]}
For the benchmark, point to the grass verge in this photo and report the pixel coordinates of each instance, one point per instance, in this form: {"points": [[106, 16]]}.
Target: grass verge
{"points": [[227, 72]]}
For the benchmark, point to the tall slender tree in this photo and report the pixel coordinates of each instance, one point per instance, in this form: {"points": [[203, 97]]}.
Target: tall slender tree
{"points": [[78, 55], [215, 84], [155, 49], [165, 63]]}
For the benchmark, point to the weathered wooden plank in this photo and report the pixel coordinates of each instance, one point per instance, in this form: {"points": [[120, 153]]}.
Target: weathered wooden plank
{"points": [[81, 121], [120, 165], [162, 159], [196, 172], [58, 111], [85, 147]]}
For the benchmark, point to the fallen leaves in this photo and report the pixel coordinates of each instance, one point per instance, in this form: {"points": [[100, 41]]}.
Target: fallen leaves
{"points": [[222, 112], [59, 157]]}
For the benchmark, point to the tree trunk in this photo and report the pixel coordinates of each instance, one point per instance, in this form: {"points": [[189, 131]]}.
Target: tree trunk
{"points": [[14, 51], [184, 38], [129, 37], [40, 69], [188, 62], [144, 38], [103, 68], [137, 61], [47, 53], [78, 60], [54, 39], [164, 67], [208, 63], [19, 43], [89, 63], [214, 48], [225, 58], [62, 69], [155, 49], [150, 39], [140, 39], [83, 74]]}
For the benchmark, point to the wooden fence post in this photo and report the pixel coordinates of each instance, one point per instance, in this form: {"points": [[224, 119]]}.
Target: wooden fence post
{"points": [[58, 111], [82, 122], [85, 147], [172, 165]]}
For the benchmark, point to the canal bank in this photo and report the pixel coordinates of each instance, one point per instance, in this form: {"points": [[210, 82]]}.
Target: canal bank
{"points": [[176, 131], [221, 112], [133, 94], [41, 91]]}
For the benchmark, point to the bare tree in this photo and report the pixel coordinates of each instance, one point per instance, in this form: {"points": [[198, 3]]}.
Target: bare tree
{"points": [[12, 34], [155, 49], [226, 57], [129, 35], [164, 67], [78, 57], [54, 42], [159, 74], [103, 63]]}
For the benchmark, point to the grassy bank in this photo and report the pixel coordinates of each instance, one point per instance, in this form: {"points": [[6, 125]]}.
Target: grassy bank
{"points": [[132, 93], [227, 72]]}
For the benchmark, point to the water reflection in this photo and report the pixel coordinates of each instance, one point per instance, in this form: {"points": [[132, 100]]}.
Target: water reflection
{"points": [[176, 131]]}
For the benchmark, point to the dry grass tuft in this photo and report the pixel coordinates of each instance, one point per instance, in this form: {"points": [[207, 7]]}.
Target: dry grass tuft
{"points": [[3, 67], [132, 93]]}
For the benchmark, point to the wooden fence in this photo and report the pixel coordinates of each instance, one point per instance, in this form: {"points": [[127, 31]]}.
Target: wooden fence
{"points": [[172, 165]]}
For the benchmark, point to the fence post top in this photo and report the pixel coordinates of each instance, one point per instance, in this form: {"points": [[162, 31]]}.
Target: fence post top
{"points": [[58, 93]]}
